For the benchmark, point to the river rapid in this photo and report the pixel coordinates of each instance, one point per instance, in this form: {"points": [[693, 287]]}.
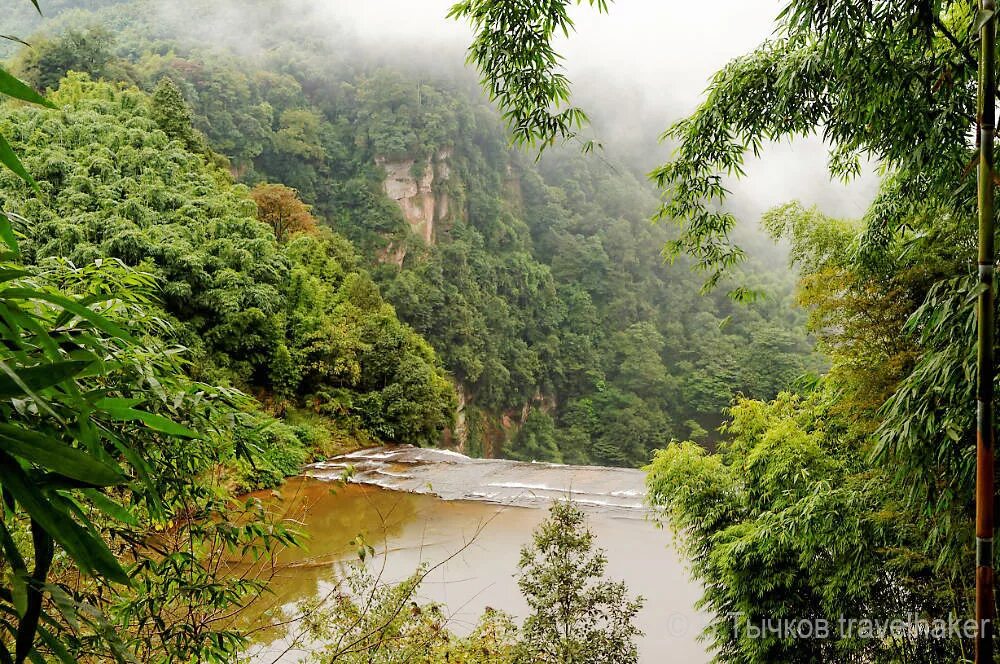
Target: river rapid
{"points": [[427, 506]]}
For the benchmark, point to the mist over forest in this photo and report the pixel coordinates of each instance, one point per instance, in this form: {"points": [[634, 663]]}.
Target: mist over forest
{"points": [[635, 71]]}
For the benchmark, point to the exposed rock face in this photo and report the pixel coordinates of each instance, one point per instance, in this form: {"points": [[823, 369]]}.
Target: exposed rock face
{"points": [[458, 438], [417, 189]]}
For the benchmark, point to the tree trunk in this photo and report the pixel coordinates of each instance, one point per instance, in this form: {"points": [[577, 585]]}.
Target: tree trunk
{"points": [[984, 388]]}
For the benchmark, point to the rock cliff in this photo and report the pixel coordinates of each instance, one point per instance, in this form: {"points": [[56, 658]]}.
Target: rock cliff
{"points": [[418, 189]]}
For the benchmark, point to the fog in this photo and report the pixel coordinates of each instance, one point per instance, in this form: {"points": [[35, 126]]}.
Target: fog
{"points": [[636, 70]]}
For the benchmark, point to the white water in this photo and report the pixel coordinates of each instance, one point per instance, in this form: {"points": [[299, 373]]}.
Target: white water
{"points": [[453, 476]]}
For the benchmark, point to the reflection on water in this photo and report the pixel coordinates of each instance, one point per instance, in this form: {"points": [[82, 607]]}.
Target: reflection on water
{"points": [[414, 526]]}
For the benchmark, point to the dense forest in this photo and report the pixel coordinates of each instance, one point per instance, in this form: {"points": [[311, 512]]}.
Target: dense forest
{"points": [[226, 262], [227, 255], [538, 285]]}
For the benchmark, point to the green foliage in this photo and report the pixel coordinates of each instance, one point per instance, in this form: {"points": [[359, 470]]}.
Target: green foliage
{"points": [[48, 61], [519, 67], [537, 275], [12, 87], [170, 111], [855, 500], [576, 616], [536, 440], [304, 315], [543, 298], [893, 303], [788, 520], [542, 282], [803, 81], [816, 74], [101, 451], [276, 451], [354, 355]]}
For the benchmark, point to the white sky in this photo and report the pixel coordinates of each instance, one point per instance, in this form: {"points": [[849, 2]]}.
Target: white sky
{"points": [[674, 45]]}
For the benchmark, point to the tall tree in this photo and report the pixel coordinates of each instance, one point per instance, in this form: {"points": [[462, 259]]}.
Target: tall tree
{"points": [[172, 113], [577, 616], [280, 208]]}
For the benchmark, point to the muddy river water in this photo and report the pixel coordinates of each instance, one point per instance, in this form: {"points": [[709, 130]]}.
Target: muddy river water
{"points": [[422, 506]]}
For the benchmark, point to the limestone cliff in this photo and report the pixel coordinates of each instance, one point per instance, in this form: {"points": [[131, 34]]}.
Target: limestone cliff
{"points": [[418, 188], [421, 190]]}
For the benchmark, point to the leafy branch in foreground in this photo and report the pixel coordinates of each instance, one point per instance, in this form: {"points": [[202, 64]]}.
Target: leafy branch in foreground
{"points": [[520, 69], [61, 439], [11, 87], [115, 536], [889, 82]]}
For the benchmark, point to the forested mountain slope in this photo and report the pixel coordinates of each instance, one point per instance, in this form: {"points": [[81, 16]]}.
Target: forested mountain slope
{"points": [[300, 323], [539, 285]]}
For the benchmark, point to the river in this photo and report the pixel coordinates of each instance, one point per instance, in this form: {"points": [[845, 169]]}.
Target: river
{"points": [[424, 506]]}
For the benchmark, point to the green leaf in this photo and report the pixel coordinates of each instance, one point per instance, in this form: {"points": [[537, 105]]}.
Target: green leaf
{"points": [[64, 603], [40, 377], [39, 401], [56, 646], [122, 410], [9, 274], [19, 592], [57, 456], [113, 509], [14, 558], [7, 234], [92, 317], [86, 550], [12, 87], [117, 403], [9, 159]]}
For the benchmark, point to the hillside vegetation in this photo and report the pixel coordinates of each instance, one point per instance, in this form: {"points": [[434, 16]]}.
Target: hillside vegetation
{"points": [[539, 285]]}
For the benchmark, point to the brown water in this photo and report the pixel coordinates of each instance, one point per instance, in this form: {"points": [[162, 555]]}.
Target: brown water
{"points": [[440, 504]]}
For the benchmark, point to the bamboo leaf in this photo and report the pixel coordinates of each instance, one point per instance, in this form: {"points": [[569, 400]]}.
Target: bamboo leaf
{"points": [[57, 456], [113, 509], [39, 401], [151, 420], [40, 377], [9, 159], [19, 593], [92, 317], [64, 603], [89, 552], [12, 87], [10, 549], [56, 646], [7, 234]]}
